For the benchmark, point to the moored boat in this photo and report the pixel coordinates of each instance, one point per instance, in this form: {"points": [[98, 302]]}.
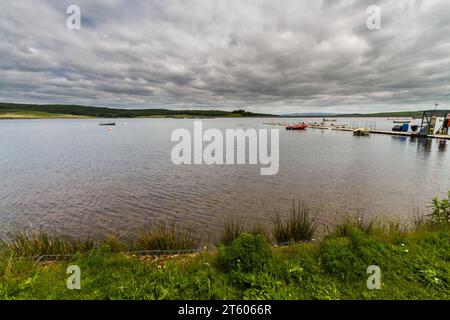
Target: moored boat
{"points": [[401, 127], [298, 126]]}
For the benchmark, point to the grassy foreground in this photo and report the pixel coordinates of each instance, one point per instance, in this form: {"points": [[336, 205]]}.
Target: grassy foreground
{"points": [[414, 262], [414, 266]]}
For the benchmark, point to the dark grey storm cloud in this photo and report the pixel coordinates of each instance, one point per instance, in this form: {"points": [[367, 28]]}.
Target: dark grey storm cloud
{"points": [[267, 56]]}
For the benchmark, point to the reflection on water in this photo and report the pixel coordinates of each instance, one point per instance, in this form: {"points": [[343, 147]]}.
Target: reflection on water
{"points": [[425, 145], [77, 177]]}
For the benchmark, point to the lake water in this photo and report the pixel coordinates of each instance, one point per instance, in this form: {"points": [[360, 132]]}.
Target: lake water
{"points": [[74, 176]]}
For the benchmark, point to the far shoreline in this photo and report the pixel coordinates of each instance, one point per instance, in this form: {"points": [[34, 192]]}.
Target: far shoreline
{"points": [[14, 111]]}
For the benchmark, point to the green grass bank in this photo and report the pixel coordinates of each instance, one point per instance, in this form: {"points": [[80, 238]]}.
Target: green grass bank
{"points": [[414, 262]]}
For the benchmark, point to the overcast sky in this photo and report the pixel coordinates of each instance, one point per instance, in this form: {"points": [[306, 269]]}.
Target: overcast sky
{"points": [[267, 56]]}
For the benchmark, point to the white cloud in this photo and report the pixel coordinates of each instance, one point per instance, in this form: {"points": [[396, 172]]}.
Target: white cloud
{"points": [[268, 56]]}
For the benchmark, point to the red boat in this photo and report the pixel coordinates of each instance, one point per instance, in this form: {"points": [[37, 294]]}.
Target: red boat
{"points": [[298, 126]]}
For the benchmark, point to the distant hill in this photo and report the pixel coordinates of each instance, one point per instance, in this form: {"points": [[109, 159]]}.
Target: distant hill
{"points": [[30, 111]]}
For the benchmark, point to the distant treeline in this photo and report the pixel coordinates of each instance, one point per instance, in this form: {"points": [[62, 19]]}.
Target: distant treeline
{"points": [[77, 110], [33, 110]]}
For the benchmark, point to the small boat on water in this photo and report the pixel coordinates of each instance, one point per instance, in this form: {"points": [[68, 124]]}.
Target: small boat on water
{"points": [[401, 127], [329, 120], [298, 126], [107, 124]]}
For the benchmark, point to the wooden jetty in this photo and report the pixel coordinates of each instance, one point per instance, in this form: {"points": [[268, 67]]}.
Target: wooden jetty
{"points": [[375, 131]]}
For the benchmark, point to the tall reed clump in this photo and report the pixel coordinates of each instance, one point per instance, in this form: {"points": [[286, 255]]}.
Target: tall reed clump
{"points": [[418, 218], [116, 243], [167, 238], [344, 227], [298, 226], [258, 229], [387, 228], [36, 243], [232, 228]]}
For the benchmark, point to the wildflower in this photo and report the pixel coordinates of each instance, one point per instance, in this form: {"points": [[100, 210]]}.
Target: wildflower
{"points": [[406, 250]]}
